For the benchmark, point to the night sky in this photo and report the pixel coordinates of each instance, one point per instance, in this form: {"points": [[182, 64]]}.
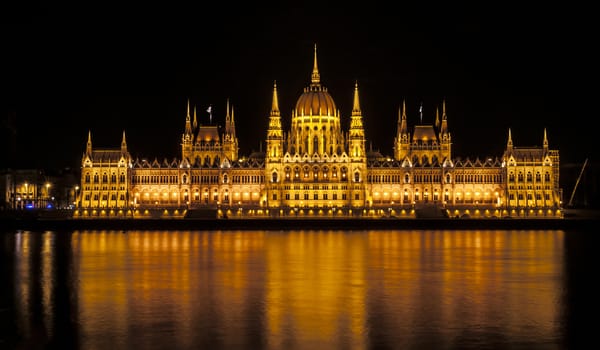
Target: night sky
{"points": [[107, 68]]}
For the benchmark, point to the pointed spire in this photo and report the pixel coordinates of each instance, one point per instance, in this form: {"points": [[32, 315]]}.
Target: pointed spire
{"points": [[437, 117], [188, 124], [187, 117], [421, 113], [444, 110], [404, 109], [275, 104], [545, 139], [195, 124], [88, 148], [509, 144], [123, 143], [356, 104], [227, 113], [232, 123], [315, 77]]}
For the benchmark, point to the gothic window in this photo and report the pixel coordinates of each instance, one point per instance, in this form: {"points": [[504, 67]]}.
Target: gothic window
{"points": [[87, 178], [122, 178], [529, 177], [547, 177], [315, 144], [225, 178], [511, 177], [448, 178], [520, 177], [184, 179], [406, 178], [96, 178], [538, 177], [274, 177], [356, 176]]}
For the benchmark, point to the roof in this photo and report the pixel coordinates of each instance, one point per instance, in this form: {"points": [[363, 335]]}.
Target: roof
{"points": [[424, 133], [208, 133]]}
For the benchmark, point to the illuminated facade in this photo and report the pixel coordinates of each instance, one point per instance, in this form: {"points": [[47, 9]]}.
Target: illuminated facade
{"points": [[317, 169]]}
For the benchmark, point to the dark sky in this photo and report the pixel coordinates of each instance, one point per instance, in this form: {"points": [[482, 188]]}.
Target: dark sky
{"points": [[108, 67]]}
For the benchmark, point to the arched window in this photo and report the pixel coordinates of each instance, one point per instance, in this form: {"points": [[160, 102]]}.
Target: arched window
{"points": [[406, 178], [274, 175], [529, 177], [448, 178], [184, 179], [87, 178], [547, 176], [225, 178], [356, 176], [538, 177], [520, 177], [511, 177]]}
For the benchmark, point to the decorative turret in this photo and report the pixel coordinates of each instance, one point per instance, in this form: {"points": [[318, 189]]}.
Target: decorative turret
{"points": [[401, 147], [188, 125], [357, 132], [123, 144], [444, 136], [230, 142], [545, 144], [274, 132], [88, 146]]}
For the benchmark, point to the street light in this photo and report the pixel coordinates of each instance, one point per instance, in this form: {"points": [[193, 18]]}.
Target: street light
{"points": [[76, 196]]}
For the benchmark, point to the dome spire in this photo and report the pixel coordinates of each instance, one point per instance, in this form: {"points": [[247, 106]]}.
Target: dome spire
{"points": [[356, 104], [315, 78], [275, 104]]}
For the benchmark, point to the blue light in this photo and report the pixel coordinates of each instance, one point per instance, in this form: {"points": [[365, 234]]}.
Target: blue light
{"points": [[29, 206], [49, 206]]}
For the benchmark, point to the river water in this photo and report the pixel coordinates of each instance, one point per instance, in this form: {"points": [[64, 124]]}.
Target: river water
{"points": [[297, 289]]}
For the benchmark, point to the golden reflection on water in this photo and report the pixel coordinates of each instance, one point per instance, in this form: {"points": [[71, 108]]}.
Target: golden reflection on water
{"points": [[302, 289]]}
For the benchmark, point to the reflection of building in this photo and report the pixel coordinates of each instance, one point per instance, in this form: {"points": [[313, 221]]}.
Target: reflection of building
{"points": [[315, 168]]}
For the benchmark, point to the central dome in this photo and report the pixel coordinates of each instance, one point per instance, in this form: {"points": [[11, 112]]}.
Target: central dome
{"points": [[315, 101]]}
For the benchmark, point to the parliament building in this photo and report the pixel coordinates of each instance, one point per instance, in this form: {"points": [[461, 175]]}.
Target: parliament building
{"points": [[317, 169]]}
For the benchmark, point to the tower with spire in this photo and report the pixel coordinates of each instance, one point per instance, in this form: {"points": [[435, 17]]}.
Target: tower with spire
{"points": [[429, 143], [202, 144]]}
